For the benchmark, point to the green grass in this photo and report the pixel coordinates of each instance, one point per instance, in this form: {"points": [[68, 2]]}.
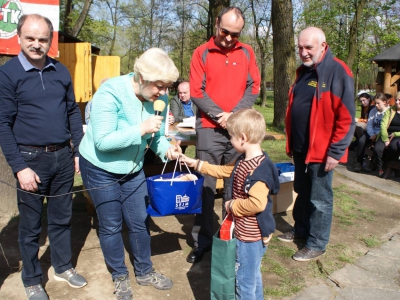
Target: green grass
{"points": [[290, 280], [280, 249], [370, 241], [347, 209]]}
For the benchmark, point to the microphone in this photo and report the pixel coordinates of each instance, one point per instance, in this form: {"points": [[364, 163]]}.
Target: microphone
{"points": [[158, 107]]}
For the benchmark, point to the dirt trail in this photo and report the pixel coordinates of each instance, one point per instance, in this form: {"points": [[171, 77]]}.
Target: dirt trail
{"points": [[170, 247]]}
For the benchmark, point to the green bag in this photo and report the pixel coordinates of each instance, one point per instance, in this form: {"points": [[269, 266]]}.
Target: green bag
{"points": [[223, 273]]}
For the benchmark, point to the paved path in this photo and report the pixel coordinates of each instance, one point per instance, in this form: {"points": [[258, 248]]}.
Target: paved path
{"points": [[375, 275]]}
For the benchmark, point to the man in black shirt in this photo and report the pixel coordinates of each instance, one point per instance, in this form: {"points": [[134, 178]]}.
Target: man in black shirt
{"points": [[39, 119], [319, 128]]}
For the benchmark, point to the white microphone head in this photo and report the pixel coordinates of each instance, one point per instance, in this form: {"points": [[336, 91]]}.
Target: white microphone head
{"points": [[158, 107]]}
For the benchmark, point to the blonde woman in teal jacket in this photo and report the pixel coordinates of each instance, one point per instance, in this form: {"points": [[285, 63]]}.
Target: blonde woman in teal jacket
{"points": [[122, 124], [386, 146]]}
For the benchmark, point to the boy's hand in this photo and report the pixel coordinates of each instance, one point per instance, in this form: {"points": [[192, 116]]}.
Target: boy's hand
{"points": [[228, 206], [191, 162]]}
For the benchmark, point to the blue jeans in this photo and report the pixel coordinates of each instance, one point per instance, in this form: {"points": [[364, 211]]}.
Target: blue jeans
{"points": [[125, 200], [56, 172], [248, 274], [312, 211]]}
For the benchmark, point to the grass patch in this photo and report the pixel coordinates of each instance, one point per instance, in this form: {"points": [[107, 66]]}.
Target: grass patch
{"points": [[370, 241], [280, 249], [347, 209], [290, 281]]}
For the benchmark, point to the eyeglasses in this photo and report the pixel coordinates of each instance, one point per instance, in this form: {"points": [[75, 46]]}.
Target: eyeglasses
{"points": [[225, 32]]}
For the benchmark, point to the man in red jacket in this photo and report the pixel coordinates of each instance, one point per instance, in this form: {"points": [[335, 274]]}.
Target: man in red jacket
{"points": [[224, 78], [319, 127]]}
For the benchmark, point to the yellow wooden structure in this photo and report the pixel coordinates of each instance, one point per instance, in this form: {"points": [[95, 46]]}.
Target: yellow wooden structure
{"points": [[86, 70]]}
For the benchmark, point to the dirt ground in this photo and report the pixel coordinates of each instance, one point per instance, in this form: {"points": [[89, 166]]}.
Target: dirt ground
{"points": [[171, 242]]}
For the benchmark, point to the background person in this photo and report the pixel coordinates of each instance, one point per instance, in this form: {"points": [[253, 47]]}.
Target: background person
{"points": [[224, 78], [319, 129], [361, 129], [386, 146], [374, 124], [122, 124], [38, 118], [181, 105], [250, 205]]}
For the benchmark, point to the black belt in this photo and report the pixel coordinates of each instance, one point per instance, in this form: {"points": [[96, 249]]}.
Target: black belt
{"points": [[50, 148]]}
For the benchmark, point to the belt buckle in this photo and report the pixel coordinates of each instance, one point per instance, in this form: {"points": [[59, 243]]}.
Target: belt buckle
{"points": [[46, 149]]}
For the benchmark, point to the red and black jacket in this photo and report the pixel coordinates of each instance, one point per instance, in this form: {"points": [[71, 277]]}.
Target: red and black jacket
{"points": [[332, 111]]}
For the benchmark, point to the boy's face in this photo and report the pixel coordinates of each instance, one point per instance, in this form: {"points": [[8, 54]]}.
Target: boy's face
{"points": [[237, 143]]}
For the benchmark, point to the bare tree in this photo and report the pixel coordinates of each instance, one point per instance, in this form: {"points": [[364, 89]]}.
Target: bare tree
{"points": [[74, 29], [262, 28], [214, 8], [284, 56]]}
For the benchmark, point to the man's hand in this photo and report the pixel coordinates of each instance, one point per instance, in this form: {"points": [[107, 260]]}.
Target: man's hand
{"points": [[77, 169], [223, 117], [331, 163], [28, 180], [290, 154], [171, 119]]}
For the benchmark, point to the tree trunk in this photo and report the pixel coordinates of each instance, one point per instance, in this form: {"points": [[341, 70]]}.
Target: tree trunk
{"points": [[74, 31], [263, 92], [284, 56], [214, 8], [353, 37]]}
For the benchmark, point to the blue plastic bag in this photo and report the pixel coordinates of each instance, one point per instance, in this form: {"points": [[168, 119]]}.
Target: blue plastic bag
{"points": [[174, 197], [284, 167]]}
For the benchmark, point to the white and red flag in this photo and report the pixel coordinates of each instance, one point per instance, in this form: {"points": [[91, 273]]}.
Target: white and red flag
{"points": [[12, 10]]}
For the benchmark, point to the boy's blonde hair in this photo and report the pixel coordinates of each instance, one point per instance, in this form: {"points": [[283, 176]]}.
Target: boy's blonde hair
{"points": [[247, 121], [155, 65]]}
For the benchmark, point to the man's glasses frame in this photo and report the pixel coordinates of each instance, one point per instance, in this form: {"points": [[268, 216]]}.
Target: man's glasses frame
{"points": [[224, 32]]}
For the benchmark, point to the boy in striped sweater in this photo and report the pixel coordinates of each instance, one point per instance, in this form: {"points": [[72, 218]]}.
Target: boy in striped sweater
{"points": [[253, 178]]}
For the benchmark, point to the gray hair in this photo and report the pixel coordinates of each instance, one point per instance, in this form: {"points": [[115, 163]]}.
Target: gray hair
{"points": [[315, 32]]}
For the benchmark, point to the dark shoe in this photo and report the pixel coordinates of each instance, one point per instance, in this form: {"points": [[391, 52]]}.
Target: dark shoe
{"points": [[36, 292], [122, 288], [370, 166], [72, 278], [381, 173], [358, 168], [155, 279], [196, 254], [306, 254], [290, 237]]}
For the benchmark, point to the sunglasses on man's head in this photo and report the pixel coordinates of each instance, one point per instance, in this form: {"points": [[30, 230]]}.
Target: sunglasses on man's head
{"points": [[225, 32]]}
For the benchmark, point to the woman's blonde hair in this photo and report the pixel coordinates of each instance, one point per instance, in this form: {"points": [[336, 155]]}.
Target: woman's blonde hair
{"points": [[247, 121], [155, 65]]}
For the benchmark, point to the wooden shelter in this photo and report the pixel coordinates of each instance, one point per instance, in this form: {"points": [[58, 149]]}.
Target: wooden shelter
{"points": [[86, 66], [388, 78]]}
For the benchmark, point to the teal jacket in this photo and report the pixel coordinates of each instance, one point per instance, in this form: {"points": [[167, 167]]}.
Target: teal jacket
{"points": [[386, 120], [113, 140]]}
